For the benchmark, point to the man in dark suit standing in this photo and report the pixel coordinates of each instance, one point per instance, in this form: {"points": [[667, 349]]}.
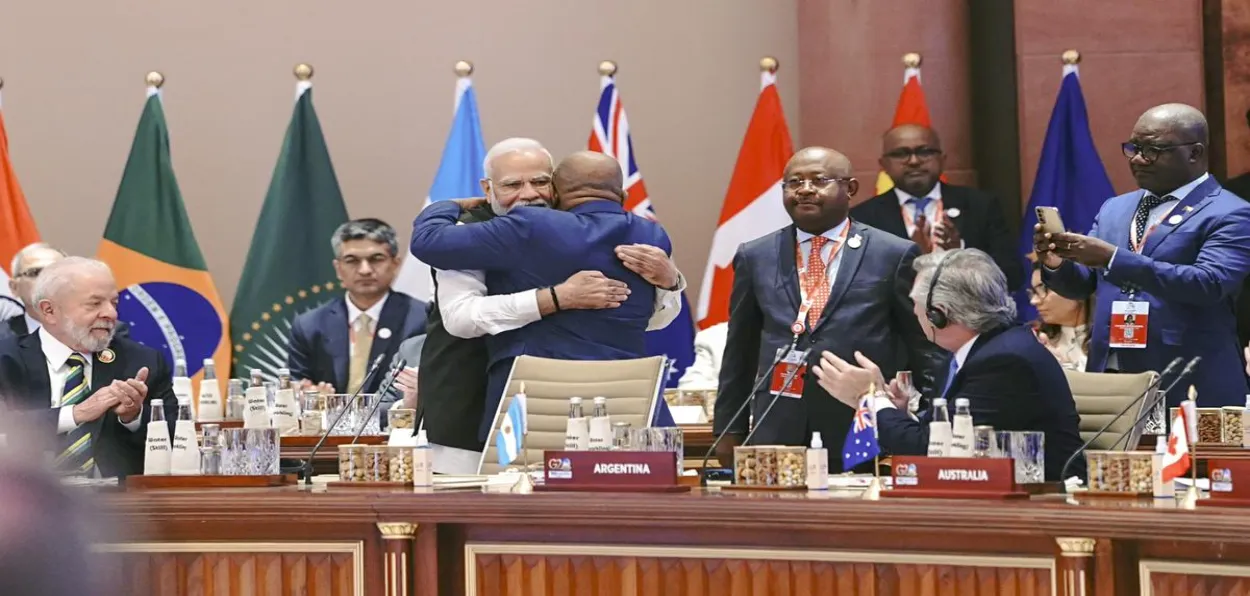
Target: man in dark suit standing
{"points": [[1174, 252], [333, 345], [933, 214], [1011, 381], [78, 382], [829, 283]]}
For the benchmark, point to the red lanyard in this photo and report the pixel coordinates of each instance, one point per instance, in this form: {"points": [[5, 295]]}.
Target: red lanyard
{"points": [[1138, 245]]}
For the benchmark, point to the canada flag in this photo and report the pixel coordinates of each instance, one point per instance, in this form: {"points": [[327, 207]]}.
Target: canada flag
{"points": [[1177, 461]]}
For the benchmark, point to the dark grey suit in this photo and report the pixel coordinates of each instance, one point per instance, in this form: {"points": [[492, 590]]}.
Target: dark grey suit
{"points": [[868, 310]]}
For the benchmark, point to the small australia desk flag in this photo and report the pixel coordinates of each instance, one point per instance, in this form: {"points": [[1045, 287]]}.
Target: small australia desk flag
{"points": [[861, 442]]}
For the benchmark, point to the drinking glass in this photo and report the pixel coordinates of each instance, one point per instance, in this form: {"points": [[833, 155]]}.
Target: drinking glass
{"points": [[234, 452], [263, 450], [1027, 449], [907, 384], [983, 442], [622, 437]]}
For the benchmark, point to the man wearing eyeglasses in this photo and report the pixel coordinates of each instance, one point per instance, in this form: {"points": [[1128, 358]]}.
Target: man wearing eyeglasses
{"points": [[935, 215], [1173, 255], [26, 266], [825, 282]]}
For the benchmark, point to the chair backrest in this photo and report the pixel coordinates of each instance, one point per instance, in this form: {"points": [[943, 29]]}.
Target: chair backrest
{"points": [[632, 388], [1100, 396]]}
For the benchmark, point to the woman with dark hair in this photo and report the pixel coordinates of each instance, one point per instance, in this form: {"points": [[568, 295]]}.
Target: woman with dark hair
{"points": [[1062, 324]]}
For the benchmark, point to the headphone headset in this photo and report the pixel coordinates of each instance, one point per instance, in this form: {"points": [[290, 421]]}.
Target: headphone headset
{"points": [[936, 316]]}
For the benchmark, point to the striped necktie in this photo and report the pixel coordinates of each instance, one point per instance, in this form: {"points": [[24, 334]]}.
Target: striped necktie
{"points": [[76, 454]]}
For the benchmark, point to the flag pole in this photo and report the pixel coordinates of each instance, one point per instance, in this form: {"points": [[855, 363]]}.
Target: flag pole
{"points": [[873, 492], [1192, 495], [524, 485]]}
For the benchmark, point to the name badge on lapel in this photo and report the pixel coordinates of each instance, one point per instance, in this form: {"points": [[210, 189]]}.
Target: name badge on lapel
{"points": [[795, 363], [1129, 321]]}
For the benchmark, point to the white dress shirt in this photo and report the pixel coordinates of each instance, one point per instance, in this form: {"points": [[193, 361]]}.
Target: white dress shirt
{"points": [[709, 348], [468, 312], [930, 213], [56, 355], [354, 312], [31, 324], [831, 265]]}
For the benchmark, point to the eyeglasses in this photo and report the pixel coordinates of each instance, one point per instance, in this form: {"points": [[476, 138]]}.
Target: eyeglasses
{"points": [[1149, 153], [31, 273], [920, 153], [1039, 290], [819, 182], [511, 187]]}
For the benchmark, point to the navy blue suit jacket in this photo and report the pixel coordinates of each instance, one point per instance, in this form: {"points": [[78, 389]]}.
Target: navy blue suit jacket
{"points": [[1012, 382], [26, 387], [320, 341], [868, 310], [1190, 272], [538, 248]]}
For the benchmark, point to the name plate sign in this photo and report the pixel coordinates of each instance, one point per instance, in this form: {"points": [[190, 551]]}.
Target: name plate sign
{"points": [[1230, 483], [640, 471], [954, 478]]}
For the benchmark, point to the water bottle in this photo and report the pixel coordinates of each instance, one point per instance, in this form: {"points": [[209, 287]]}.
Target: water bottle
{"points": [[817, 464], [285, 413], [156, 446], [577, 431], [940, 430], [256, 413], [210, 407], [184, 453], [962, 429], [181, 382], [422, 461], [600, 426]]}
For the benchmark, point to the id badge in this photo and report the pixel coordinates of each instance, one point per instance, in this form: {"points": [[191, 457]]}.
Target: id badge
{"points": [[796, 360], [1128, 323]]}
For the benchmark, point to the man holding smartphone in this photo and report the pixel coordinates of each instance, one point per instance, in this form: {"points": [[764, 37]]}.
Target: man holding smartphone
{"points": [[1165, 263]]}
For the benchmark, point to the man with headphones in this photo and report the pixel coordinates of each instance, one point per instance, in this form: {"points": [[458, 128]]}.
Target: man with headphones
{"points": [[1011, 381]]}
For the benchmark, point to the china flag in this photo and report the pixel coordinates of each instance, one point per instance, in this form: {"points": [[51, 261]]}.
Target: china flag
{"points": [[753, 205]]}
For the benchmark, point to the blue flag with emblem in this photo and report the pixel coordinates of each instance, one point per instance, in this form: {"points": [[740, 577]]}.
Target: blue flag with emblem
{"points": [[510, 439], [861, 443], [1070, 175], [459, 174]]}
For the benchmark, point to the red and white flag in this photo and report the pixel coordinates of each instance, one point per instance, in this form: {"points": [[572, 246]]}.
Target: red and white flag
{"points": [[753, 203], [1176, 461]]}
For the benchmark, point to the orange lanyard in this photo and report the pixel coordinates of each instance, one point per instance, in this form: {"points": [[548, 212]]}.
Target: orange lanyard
{"points": [[833, 254], [1138, 245], [910, 221]]}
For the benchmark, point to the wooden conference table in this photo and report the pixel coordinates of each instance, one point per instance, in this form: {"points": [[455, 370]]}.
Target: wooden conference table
{"points": [[369, 541]]}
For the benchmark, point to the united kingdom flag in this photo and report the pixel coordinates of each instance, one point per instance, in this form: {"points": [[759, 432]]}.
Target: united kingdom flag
{"points": [[861, 443], [610, 135]]}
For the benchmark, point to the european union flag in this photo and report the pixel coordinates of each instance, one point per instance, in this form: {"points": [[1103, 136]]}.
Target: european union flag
{"points": [[1070, 175], [861, 443]]}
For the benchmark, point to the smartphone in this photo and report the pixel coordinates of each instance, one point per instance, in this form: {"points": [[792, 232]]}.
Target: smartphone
{"points": [[1050, 220]]}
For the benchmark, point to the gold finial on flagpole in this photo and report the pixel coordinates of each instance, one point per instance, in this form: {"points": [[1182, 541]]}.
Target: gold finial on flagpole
{"points": [[155, 79], [463, 68], [303, 71], [769, 64], [607, 68], [912, 59], [1071, 57]]}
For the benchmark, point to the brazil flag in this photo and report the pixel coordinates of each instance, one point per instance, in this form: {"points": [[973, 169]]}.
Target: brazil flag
{"points": [[289, 266], [167, 297]]}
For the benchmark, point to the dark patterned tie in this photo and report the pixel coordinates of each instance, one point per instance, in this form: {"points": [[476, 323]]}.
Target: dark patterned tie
{"points": [[1142, 217], [76, 453]]}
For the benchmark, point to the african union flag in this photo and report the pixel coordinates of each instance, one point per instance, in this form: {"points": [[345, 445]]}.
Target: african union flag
{"points": [[167, 297]]}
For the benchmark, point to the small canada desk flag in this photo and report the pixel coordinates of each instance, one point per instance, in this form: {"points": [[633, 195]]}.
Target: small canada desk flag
{"points": [[1176, 460]]}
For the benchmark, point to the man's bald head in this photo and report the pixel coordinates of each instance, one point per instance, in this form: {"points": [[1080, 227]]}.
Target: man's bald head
{"points": [[817, 189], [1171, 147], [588, 175]]}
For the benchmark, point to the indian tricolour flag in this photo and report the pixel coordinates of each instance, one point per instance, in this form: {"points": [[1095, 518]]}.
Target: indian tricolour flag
{"points": [[458, 177]]}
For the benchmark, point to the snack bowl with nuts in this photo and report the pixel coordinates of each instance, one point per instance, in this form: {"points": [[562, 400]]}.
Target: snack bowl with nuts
{"points": [[351, 463], [791, 466], [746, 467], [400, 463], [377, 463]]}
